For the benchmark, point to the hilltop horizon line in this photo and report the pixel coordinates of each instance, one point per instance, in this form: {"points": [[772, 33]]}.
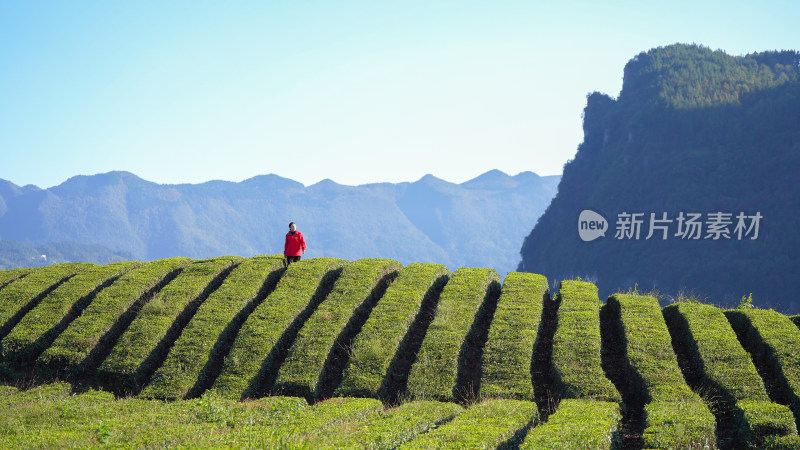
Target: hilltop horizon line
{"points": [[492, 173]]}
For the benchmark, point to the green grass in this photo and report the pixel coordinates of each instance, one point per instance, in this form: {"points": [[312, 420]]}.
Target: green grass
{"points": [[300, 428], [28, 412], [576, 364], [328, 417], [309, 427], [50, 417], [508, 357], [138, 350], [70, 352], [258, 349], [774, 343], [193, 352], [313, 365], [43, 323], [674, 416], [6, 391], [578, 424], [726, 376], [44, 393], [434, 375], [377, 348], [488, 424], [20, 296], [390, 428]]}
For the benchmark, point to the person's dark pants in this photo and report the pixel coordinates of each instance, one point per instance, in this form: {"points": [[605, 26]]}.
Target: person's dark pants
{"points": [[291, 259]]}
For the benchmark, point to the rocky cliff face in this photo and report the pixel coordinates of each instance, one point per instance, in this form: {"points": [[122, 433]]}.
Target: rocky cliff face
{"points": [[694, 134]]}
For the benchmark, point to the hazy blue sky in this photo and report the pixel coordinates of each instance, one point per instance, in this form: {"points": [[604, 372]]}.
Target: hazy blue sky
{"points": [[355, 91]]}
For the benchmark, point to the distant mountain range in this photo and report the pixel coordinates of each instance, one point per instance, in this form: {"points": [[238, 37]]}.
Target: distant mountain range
{"points": [[693, 132], [117, 215]]}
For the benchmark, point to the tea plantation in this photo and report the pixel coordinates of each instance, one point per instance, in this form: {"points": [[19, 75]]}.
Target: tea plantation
{"points": [[328, 353]]}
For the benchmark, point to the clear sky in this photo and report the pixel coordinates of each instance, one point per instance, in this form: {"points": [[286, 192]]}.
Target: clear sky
{"points": [[354, 91]]}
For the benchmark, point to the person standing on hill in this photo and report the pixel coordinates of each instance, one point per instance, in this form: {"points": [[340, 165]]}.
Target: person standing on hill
{"points": [[295, 245]]}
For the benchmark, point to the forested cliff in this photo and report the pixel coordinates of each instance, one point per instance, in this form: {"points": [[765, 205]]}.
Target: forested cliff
{"points": [[702, 147]]}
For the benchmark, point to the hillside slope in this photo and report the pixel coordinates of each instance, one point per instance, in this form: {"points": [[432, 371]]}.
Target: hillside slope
{"points": [[693, 131], [413, 355]]}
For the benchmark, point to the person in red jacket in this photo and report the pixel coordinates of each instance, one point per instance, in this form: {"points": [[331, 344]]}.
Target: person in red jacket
{"points": [[295, 245]]}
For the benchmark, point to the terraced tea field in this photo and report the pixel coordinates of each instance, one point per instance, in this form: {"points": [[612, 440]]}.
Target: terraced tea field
{"points": [[327, 353]]}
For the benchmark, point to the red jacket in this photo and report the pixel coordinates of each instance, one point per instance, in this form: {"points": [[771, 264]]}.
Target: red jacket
{"points": [[295, 245]]}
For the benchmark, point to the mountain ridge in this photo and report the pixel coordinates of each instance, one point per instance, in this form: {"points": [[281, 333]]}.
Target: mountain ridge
{"points": [[424, 220]]}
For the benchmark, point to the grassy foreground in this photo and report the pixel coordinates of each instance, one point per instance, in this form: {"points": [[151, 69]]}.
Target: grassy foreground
{"points": [[243, 352]]}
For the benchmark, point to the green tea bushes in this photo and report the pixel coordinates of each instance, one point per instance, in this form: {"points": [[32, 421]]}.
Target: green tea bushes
{"points": [[488, 424], [262, 343], [21, 296], [8, 276], [311, 427], [774, 344], [576, 365], [94, 330], [142, 347], [507, 358], [189, 361], [578, 424], [443, 369], [381, 354], [314, 363], [390, 428], [674, 416], [722, 371], [588, 411], [43, 323]]}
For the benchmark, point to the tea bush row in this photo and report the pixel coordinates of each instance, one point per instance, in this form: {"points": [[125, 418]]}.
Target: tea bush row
{"points": [[508, 356], [263, 340], [674, 416], [189, 362], [76, 349], [315, 360], [774, 343], [576, 364], [7, 276], [45, 321], [726, 374], [378, 360], [138, 351], [488, 424], [451, 337], [578, 424], [22, 295]]}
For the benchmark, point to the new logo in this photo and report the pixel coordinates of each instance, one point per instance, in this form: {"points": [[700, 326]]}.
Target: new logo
{"points": [[591, 225]]}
